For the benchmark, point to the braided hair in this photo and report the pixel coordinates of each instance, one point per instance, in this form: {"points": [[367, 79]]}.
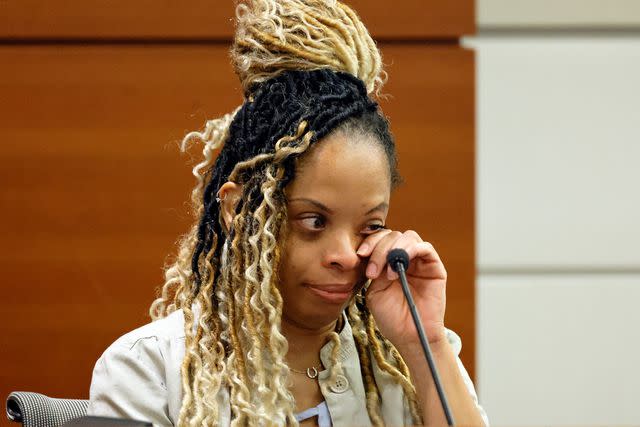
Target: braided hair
{"points": [[226, 281]]}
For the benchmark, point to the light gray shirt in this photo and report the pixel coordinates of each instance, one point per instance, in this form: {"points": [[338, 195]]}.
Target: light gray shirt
{"points": [[138, 377]]}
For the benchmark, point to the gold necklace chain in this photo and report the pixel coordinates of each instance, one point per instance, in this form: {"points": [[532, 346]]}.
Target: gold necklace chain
{"points": [[311, 372]]}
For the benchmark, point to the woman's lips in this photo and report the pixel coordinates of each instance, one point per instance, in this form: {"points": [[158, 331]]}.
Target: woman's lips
{"points": [[335, 294]]}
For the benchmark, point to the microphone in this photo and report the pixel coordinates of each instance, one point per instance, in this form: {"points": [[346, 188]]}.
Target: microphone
{"points": [[398, 259]]}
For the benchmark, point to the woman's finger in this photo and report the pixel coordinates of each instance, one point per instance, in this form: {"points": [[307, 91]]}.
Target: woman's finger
{"points": [[370, 242], [407, 241], [378, 258], [425, 255]]}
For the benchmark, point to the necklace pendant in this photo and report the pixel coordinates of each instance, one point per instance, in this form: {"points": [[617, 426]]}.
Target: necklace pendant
{"points": [[312, 372]]}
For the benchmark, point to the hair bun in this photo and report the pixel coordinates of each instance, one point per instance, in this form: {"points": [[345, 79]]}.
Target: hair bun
{"points": [[277, 35]]}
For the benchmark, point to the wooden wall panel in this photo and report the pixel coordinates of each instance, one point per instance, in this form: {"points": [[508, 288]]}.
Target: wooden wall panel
{"points": [[93, 195], [204, 19], [93, 188], [431, 107]]}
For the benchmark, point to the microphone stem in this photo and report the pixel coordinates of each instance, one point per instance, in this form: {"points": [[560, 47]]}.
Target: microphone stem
{"points": [[425, 344]]}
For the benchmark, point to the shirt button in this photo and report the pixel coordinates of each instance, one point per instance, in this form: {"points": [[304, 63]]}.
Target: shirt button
{"points": [[340, 385]]}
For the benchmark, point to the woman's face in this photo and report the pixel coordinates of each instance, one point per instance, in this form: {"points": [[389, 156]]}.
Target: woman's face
{"points": [[340, 196]]}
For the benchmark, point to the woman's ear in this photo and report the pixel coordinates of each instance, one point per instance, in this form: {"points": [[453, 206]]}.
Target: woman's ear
{"points": [[229, 195]]}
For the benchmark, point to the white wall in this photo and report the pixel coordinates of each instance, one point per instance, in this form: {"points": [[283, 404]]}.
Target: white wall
{"points": [[558, 222], [559, 350], [558, 13], [558, 153]]}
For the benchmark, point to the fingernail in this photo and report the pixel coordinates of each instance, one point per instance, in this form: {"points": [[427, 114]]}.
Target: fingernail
{"points": [[372, 270], [363, 249]]}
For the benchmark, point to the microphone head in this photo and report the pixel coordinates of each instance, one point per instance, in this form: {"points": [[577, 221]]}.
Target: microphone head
{"points": [[398, 256]]}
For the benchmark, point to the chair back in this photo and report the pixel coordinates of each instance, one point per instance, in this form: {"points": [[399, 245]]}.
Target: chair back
{"points": [[37, 410]]}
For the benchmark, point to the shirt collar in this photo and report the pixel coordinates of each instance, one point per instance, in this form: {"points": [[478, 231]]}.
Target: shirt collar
{"points": [[347, 344]]}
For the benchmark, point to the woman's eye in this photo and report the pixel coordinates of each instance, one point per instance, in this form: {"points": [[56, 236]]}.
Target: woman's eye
{"points": [[372, 228], [313, 222]]}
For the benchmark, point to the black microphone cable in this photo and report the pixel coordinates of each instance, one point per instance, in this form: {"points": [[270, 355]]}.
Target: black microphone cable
{"points": [[398, 259]]}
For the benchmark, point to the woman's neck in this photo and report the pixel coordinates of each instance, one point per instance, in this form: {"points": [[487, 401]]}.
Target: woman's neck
{"points": [[305, 343]]}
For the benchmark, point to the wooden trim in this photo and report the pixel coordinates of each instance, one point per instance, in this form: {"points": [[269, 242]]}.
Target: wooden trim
{"points": [[200, 20]]}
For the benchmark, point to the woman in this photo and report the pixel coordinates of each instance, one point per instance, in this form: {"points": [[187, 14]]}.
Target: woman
{"points": [[279, 308]]}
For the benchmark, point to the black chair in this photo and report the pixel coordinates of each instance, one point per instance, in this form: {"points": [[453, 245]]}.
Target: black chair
{"points": [[38, 410]]}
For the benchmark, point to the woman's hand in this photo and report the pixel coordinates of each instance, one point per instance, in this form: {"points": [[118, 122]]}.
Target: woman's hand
{"points": [[427, 279]]}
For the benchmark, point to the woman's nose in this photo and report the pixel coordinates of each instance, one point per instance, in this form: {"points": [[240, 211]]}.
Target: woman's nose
{"points": [[341, 253]]}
